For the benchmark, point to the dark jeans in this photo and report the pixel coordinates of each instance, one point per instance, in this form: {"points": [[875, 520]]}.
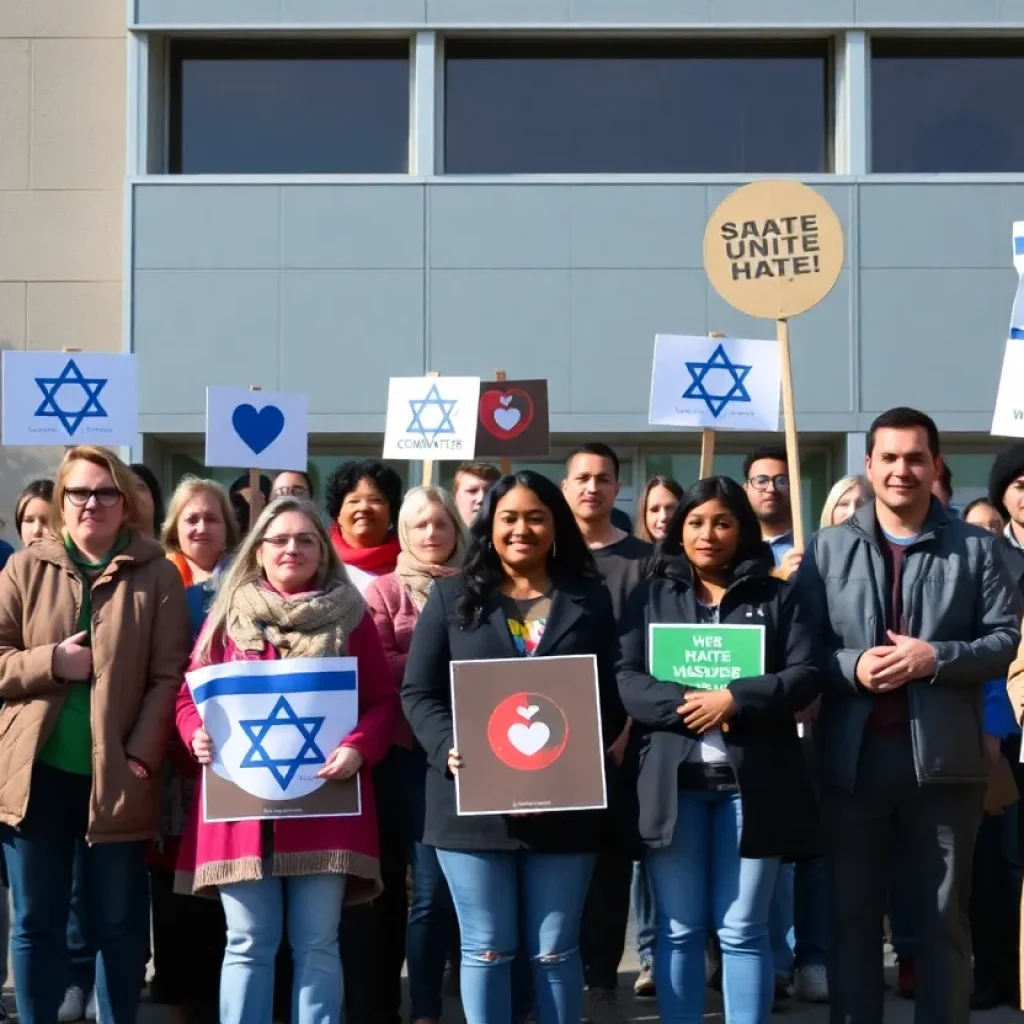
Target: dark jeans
{"points": [[81, 951], [643, 909], [933, 827], [605, 919], [40, 860]]}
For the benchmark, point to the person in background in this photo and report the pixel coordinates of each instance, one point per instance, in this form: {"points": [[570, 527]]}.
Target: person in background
{"points": [[93, 641], [530, 588], [200, 529], [434, 541], [286, 595], [942, 487], [848, 494], [660, 498], [472, 482], [1006, 492], [238, 495], [151, 499], [996, 876], [32, 511], [719, 807], [292, 484], [917, 611], [591, 486]]}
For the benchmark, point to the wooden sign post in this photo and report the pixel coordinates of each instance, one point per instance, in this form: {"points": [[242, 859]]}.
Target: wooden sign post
{"points": [[505, 463], [774, 249], [428, 464], [707, 437], [255, 492]]}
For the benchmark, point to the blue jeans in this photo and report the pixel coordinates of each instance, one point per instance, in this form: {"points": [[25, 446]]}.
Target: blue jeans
{"points": [[427, 935], [502, 899], [701, 882], [780, 922], [40, 862], [810, 912], [254, 912], [81, 954], [643, 909]]}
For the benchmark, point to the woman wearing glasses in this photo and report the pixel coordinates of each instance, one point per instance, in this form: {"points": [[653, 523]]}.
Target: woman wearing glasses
{"points": [[287, 596], [93, 640]]}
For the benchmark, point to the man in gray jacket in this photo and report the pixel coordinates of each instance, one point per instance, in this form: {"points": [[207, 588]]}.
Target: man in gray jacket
{"points": [[915, 610]]}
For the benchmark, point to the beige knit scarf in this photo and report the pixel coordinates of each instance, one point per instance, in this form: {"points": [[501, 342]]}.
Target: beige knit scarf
{"points": [[419, 577], [315, 625]]}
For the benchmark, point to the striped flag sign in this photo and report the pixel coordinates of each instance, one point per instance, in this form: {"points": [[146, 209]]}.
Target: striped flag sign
{"points": [[274, 724]]}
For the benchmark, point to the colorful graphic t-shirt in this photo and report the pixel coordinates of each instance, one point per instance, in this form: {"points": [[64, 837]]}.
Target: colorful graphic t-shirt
{"points": [[526, 622]]}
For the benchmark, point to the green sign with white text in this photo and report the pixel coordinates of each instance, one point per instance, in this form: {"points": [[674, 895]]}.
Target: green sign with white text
{"points": [[706, 657]]}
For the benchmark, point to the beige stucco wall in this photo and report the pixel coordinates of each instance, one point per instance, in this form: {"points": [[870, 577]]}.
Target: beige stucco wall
{"points": [[62, 166]]}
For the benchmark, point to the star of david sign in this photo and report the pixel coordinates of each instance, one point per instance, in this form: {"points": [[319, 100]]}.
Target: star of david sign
{"points": [[71, 415], [438, 411], [283, 716], [716, 402]]}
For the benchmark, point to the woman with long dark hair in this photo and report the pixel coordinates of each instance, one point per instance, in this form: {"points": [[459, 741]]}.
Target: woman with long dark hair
{"points": [[723, 789], [530, 589]]}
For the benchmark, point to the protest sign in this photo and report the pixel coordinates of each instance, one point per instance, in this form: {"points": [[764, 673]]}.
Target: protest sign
{"points": [[66, 398], [1008, 416], [529, 734], [256, 429], [706, 657], [513, 420], [273, 725]]}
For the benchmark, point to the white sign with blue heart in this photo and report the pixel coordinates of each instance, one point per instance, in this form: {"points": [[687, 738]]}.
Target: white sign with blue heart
{"points": [[256, 429]]}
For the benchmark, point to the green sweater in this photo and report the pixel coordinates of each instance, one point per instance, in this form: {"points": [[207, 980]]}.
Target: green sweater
{"points": [[69, 746]]}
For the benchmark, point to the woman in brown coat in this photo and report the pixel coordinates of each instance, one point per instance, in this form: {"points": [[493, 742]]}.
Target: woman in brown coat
{"points": [[94, 637]]}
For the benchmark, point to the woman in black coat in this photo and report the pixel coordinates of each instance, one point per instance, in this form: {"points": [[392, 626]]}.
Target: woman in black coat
{"points": [[530, 589], [723, 789]]}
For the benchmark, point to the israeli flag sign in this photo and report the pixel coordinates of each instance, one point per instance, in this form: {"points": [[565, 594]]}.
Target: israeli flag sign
{"points": [[274, 724]]}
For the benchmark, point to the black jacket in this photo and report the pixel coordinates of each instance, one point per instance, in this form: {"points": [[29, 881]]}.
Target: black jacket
{"points": [[581, 622], [780, 816]]}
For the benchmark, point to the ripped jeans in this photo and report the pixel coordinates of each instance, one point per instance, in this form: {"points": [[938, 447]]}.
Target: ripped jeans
{"points": [[504, 900]]}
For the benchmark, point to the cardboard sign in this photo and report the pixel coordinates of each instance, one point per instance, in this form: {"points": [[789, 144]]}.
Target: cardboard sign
{"points": [[529, 733], [66, 398], [273, 725], [773, 249], [256, 429], [706, 657], [718, 383], [513, 420], [431, 418]]}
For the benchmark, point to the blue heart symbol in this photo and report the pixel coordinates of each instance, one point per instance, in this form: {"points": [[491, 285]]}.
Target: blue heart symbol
{"points": [[259, 430]]}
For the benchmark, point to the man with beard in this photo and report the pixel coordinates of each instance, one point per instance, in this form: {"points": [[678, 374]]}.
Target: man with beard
{"points": [[917, 610], [766, 480]]}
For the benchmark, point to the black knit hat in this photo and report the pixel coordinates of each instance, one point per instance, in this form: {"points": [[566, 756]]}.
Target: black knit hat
{"points": [[1008, 465]]}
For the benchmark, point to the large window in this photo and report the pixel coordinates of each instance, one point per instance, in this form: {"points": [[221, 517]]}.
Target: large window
{"points": [[637, 107], [946, 106], [290, 108]]}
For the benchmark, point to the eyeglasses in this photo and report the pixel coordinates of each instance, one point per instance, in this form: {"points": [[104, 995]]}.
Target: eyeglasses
{"points": [[303, 541], [762, 480], [106, 497], [290, 492]]}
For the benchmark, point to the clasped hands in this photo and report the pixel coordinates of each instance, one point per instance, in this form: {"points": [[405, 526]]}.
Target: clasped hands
{"points": [[342, 764], [704, 710], [881, 669]]}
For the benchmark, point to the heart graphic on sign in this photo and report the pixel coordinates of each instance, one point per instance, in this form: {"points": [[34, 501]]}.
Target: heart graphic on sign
{"points": [[506, 414], [528, 739], [258, 429], [529, 712]]}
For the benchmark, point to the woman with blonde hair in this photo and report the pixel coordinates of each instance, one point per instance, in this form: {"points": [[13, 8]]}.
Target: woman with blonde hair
{"points": [[660, 498], [93, 641], [847, 495], [200, 528], [286, 595], [433, 544]]}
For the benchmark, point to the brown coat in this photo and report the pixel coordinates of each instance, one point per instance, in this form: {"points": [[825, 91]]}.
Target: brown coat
{"points": [[140, 645]]}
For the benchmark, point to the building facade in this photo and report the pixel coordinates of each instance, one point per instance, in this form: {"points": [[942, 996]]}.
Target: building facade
{"points": [[320, 194]]}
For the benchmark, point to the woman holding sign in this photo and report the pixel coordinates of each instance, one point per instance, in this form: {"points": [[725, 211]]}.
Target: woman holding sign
{"points": [[93, 640], [286, 595], [716, 661], [530, 590]]}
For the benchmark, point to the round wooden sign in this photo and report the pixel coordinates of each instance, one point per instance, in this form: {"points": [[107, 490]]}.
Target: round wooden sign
{"points": [[773, 249]]}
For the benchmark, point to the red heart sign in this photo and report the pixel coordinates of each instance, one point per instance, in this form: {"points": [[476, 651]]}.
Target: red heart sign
{"points": [[506, 414]]}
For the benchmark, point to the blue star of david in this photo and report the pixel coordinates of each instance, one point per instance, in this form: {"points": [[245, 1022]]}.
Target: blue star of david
{"points": [[433, 400], [71, 376], [283, 769], [719, 361]]}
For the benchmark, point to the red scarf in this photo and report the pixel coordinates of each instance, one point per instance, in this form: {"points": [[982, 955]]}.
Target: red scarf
{"points": [[377, 561]]}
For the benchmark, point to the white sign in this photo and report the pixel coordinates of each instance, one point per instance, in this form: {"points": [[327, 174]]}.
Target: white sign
{"points": [[717, 383], [431, 418], [256, 429], [1008, 418], [274, 724], [65, 398]]}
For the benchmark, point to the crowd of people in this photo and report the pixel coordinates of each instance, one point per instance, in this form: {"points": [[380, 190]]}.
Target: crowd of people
{"points": [[766, 833]]}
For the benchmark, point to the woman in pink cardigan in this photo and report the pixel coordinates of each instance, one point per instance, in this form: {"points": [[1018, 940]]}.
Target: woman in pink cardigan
{"points": [[433, 544], [288, 596]]}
